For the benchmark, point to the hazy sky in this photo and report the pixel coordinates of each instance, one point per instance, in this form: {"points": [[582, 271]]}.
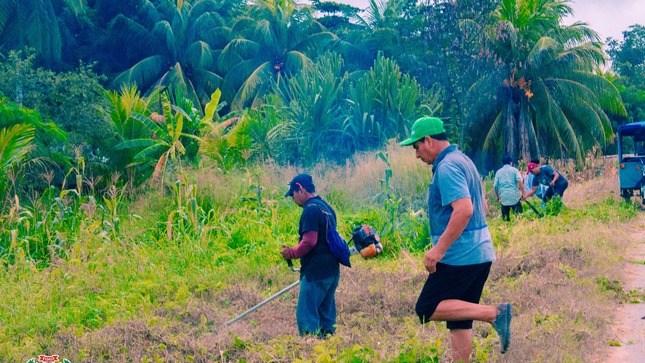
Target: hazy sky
{"points": [[608, 17]]}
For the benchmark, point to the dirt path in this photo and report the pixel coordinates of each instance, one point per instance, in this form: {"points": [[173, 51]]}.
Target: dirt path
{"points": [[629, 330]]}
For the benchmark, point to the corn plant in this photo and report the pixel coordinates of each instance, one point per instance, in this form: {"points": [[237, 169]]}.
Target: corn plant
{"points": [[399, 225], [52, 220], [112, 200], [188, 218]]}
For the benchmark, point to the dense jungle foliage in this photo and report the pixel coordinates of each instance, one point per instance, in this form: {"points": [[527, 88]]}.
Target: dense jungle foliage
{"points": [[133, 87]]}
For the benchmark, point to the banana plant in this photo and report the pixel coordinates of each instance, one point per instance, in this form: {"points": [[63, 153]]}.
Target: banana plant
{"points": [[164, 143]]}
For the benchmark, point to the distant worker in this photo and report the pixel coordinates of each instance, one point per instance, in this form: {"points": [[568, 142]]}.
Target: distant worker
{"points": [[462, 248], [528, 182], [319, 269], [509, 188], [546, 175]]}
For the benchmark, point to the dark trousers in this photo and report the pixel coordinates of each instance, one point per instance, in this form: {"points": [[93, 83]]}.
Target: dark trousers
{"points": [[555, 190], [316, 310], [517, 208]]}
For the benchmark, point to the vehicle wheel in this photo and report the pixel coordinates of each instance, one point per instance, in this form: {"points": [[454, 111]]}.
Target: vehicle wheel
{"points": [[626, 194]]}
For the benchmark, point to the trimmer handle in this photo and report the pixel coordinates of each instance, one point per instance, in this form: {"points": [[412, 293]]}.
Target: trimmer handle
{"points": [[290, 263]]}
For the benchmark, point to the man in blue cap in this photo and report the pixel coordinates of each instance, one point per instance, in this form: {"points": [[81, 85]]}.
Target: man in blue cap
{"points": [[319, 269], [462, 250]]}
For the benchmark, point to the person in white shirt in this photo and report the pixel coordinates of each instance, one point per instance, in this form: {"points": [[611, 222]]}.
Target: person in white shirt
{"points": [[509, 188]]}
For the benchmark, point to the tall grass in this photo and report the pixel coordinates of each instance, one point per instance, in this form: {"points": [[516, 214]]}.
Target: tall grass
{"points": [[186, 259]]}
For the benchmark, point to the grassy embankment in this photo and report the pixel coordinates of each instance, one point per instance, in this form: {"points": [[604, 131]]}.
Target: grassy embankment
{"points": [[157, 279]]}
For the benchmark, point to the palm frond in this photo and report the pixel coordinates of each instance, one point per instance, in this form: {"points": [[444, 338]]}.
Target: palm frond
{"points": [[7, 12], [484, 99], [295, 61], [604, 91], [152, 126], [208, 82], [249, 89], [241, 48], [177, 78], [552, 120], [137, 33], [243, 27], [15, 145], [144, 73], [315, 42], [586, 57], [266, 36], [199, 55], [78, 7], [238, 74], [135, 143], [543, 51], [201, 8], [163, 30], [494, 132], [216, 37], [32, 23], [576, 34]]}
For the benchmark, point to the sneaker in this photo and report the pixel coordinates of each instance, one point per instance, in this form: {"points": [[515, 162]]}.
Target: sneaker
{"points": [[502, 325]]}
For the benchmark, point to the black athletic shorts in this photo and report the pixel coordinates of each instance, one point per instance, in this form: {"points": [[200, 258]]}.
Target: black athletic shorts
{"points": [[452, 282]]}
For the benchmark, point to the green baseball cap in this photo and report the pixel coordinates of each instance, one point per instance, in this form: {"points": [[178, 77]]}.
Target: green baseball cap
{"points": [[425, 126]]}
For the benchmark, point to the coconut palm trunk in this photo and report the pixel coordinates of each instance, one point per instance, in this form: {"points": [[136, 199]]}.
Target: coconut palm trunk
{"points": [[525, 130], [510, 128]]}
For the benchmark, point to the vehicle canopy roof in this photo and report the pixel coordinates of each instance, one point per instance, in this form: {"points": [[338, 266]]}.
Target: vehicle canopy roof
{"points": [[634, 128]]}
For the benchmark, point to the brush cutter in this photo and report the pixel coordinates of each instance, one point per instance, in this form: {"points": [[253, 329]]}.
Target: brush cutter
{"points": [[367, 243], [268, 299], [534, 209]]}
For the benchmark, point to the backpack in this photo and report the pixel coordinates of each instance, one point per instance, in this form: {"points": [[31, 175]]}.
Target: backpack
{"points": [[337, 245], [367, 241]]}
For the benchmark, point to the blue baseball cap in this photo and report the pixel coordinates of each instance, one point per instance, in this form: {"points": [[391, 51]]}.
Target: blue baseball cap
{"points": [[305, 180]]}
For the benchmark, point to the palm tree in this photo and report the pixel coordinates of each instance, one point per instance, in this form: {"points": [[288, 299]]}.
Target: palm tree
{"points": [[384, 103], [546, 95], [166, 135], [123, 104], [314, 100], [33, 23], [275, 39], [182, 49]]}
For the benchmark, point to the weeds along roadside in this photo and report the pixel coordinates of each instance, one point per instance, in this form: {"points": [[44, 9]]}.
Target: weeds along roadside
{"points": [[186, 260]]}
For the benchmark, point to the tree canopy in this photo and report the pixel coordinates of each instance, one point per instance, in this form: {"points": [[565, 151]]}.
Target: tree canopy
{"points": [[290, 79]]}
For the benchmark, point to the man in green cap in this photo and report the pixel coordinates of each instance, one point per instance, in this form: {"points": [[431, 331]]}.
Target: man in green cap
{"points": [[462, 249]]}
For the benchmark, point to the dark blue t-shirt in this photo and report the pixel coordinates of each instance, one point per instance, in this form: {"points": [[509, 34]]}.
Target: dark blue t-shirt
{"points": [[319, 263], [546, 176]]}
